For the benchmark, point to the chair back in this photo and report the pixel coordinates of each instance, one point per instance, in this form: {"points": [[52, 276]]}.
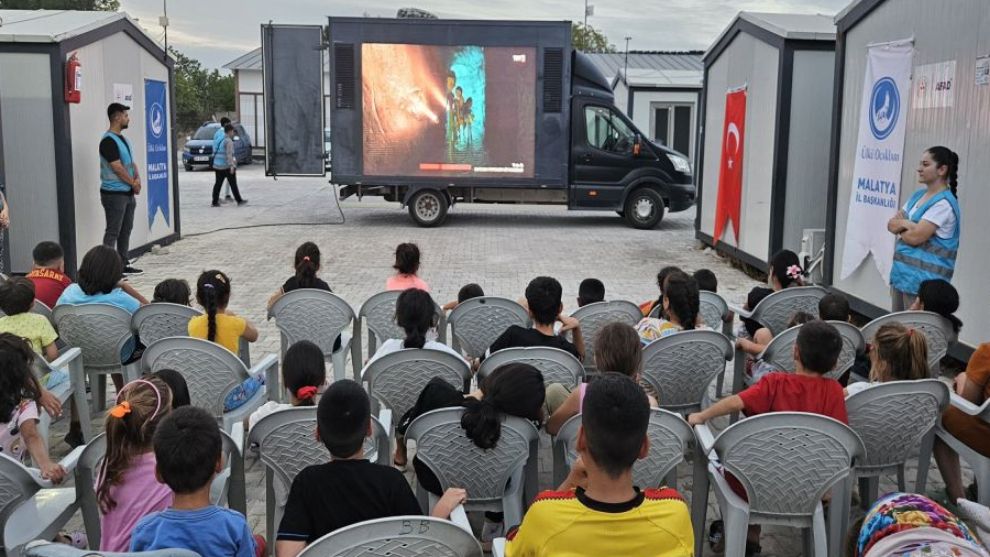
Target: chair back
{"points": [[937, 330], [41, 309], [396, 379], [405, 536], [787, 461], [47, 549], [679, 367], [311, 314], [16, 486], [776, 310], [210, 370], [593, 317], [779, 354], [892, 418], [162, 320], [100, 330], [443, 446], [714, 309], [669, 438], [556, 365], [287, 444], [378, 314], [478, 322]]}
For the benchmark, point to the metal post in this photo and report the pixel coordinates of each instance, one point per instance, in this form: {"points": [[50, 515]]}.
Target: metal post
{"points": [[625, 70], [585, 13]]}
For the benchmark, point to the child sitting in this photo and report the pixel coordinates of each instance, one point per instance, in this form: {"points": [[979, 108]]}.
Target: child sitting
{"points": [[221, 326], [706, 280], [188, 455], [126, 487], [348, 489], [761, 339], [16, 301], [897, 353], [941, 297], [406, 266], [172, 291], [784, 270], [833, 307], [598, 510], [681, 305], [617, 348], [101, 281], [543, 302], [590, 291], [466, 292], [48, 274], [306, 266], [304, 372], [647, 307], [20, 395], [176, 384]]}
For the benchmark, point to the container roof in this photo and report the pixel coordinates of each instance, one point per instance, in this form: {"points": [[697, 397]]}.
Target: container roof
{"points": [[249, 61], [805, 27], [639, 77], [52, 26]]}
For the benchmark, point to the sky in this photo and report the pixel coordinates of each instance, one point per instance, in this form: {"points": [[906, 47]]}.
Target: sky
{"points": [[217, 32]]}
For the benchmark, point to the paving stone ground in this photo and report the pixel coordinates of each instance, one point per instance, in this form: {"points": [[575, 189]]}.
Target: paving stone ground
{"points": [[501, 247]]}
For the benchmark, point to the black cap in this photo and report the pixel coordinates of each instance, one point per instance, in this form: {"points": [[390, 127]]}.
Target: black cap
{"points": [[115, 108]]}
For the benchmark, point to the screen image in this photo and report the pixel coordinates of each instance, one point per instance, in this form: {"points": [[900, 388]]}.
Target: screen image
{"points": [[453, 111]]}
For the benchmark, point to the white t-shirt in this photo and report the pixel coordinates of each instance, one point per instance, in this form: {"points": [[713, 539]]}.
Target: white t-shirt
{"points": [[395, 344], [267, 408], [857, 387], [941, 215]]}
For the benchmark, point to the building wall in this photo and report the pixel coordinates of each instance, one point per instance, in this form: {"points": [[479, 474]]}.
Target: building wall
{"points": [[962, 34], [251, 104], [29, 157], [808, 147], [643, 114], [117, 59], [746, 61]]}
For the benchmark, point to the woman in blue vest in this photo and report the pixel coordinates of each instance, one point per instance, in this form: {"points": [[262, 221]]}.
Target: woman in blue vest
{"points": [[927, 228], [4, 225]]}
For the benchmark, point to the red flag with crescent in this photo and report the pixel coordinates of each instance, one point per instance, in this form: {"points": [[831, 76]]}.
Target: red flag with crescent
{"points": [[729, 200]]}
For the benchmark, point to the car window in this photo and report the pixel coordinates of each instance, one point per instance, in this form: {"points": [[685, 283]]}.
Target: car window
{"points": [[607, 132], [241, 132], [205, 132]]}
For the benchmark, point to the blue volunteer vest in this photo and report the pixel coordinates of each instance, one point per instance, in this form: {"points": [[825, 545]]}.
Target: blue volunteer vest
{"points": [[109, 180], [935, 259], [219, 153]]}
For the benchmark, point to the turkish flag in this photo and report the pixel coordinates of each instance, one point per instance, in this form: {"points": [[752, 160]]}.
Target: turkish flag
{"points": [[730, 170]]}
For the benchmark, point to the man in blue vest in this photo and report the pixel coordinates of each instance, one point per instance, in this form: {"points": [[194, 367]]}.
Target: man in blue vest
{"points": [[218, 138], [119, 183]]}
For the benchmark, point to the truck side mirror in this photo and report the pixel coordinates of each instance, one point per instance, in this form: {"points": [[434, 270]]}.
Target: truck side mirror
{"points": [[637, 146]]}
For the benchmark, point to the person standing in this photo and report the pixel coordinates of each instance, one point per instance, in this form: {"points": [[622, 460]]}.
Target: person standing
{"points": [[4, 225], [119, 183], [218, 138], [927, 228], [225, 167]]}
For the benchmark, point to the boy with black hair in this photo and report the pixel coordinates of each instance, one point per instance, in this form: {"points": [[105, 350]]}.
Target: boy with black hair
{"points": [[706, 280], [543, 301], [833, 307], [598, 495], [468, 291], [48, 274], [16, 301], [188, 456], [590, 291], [348, 489]]}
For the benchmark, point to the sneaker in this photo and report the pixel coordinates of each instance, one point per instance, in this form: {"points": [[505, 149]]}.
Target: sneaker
{"points": [[489, 531], [228, 197], [215, 204], [131, 271], [242, 202]]}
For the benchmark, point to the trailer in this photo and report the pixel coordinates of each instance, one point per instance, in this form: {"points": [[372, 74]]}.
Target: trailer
{"points": [[430, 113]]}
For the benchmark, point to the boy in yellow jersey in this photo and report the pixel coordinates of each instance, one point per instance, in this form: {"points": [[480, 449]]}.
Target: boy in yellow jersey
{"points": [[598, 511]]}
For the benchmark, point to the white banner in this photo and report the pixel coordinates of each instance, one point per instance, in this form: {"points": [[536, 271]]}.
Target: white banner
{"points": [[876, 181]]}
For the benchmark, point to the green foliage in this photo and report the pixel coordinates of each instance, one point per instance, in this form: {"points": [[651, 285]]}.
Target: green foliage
{"points": [[199, 93], [81, 5], [588, 39]]}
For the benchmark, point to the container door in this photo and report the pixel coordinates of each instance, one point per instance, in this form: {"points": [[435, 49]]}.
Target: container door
{"points": [[293, 86]]}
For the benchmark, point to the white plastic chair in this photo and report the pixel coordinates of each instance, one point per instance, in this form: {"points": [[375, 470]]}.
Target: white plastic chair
{"points": [[670, 437], [593, 317], [786, 462], [31, 507], [48, 549], [715, 312], [405, 536], [979, 463], [680, 367], [556, 365], [159, 320], [495, 479], [377, 313], [776, 310], [287, 444], [70, 361], [101, 331], [211, 371], [319, 317], [478, 322], [41, 309], [779, 354], [937, 331]]}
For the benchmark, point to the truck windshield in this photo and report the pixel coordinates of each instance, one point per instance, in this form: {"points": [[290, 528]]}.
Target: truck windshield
{"points": [[607, 132]]}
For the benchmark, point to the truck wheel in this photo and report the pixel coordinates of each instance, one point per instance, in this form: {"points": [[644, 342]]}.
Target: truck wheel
{"points": [[644, 209], [428, 208]]}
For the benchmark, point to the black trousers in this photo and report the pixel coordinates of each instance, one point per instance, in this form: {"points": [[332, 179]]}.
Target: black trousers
{"points": [[119, 210], [231, 178]]}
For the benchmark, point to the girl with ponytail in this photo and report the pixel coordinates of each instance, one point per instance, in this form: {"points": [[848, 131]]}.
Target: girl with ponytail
{"points": [[897, 353], [784, 271], [304, 374], [681, 305], [306, 265], [223, 327], [417, 314], [126, 488], [927, 228]]}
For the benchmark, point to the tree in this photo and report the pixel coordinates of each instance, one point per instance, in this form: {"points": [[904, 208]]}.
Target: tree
{"points": [[81, 5], [199, 93], [588, 39]]}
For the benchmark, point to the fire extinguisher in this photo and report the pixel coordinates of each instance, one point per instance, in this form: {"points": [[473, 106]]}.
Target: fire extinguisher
{"points": [[73, 80]]}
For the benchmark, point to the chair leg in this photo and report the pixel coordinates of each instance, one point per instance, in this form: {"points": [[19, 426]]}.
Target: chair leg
{"points": [[736, 526], [100, 394], [671, 479], [738, 371], [270, 512], [819, 546], [869, 488], [924, 461], [838, 517], [339, 360], [424, 499], [699, 500], [981, 473], [901, 481]]}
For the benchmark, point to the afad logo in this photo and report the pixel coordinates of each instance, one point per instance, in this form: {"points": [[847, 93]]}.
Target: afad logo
{"points": [[885, 105], [156, 120]]}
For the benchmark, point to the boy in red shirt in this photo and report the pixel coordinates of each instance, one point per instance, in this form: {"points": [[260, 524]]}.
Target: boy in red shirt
{"points": [[48, 275], [806, 390]]}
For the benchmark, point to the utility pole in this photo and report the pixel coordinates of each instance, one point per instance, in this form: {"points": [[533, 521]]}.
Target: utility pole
{"points": [[164, 23], [625, 71]]}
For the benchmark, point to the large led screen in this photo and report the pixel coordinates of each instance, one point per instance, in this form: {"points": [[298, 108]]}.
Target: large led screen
{"points": [[452, 111]]}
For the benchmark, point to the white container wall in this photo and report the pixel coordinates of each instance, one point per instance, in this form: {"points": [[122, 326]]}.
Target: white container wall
{"points": [[962, 34]]}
